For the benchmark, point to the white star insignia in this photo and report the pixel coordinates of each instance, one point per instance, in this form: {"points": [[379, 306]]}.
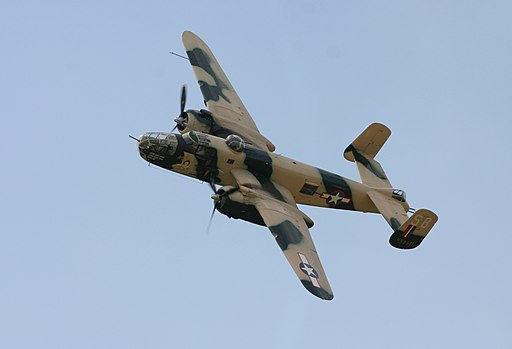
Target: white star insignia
{"points": [[335, 198], [308, 269]]}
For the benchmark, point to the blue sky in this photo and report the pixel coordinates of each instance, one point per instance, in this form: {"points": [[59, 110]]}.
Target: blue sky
{"points": [[99, 250]]}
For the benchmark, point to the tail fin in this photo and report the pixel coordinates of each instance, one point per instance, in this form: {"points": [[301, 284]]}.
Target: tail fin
{"points": [[362, 151], [414, 230], [409, 232]]}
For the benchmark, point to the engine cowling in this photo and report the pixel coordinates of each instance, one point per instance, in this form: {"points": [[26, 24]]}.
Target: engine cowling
{"points": [[230, 202], [196, 120]]}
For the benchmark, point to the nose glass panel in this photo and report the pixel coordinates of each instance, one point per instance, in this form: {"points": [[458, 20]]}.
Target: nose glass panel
{"points": [[159, 143]]}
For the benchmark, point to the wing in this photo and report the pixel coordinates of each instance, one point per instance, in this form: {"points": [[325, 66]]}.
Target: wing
{"points": [[288, 226], [229, 113], [293, 237]]}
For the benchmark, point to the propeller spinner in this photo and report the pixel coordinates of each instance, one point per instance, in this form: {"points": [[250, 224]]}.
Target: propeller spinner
{"points": [[219, 197]]}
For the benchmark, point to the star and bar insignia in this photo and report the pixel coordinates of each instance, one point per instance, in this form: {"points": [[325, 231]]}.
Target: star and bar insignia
{"points": [[335, 198]]}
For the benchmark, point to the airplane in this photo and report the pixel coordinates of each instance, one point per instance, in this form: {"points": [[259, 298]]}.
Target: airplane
{"points": [[221, 145]]}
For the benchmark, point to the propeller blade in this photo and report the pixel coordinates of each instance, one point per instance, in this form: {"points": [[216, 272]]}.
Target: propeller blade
{"points": [[183, 98], [211, 217], [218, 198], [212, 183], [181, 120]]}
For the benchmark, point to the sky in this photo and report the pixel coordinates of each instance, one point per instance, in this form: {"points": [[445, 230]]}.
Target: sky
{"points": [[99, 250]]}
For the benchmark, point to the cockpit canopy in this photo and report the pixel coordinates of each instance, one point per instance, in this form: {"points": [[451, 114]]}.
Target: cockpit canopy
{"points": [[235, 142]]}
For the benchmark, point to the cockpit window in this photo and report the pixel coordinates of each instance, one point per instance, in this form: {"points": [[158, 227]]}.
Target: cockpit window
{"points": [[190, 138], [399, 195], [235, 142]]}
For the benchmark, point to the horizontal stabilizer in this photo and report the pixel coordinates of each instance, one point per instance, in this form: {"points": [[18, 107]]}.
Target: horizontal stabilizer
{"points": [[363, 150], [369, 142], [414, 230], [392, 210]]}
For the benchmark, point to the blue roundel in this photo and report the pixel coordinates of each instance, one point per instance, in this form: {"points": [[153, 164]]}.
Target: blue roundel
{"points": [[308, 270]]}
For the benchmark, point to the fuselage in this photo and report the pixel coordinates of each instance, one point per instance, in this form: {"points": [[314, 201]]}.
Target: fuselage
{"points": [[212, 159]]}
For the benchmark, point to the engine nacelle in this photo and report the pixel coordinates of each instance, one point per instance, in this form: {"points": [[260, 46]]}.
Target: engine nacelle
{"points": [[197, 120], [231, 203]]}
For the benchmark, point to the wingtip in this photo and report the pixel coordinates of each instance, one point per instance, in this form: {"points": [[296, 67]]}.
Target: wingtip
{"points": [[190, 39], [187, 33], [319, 292], [382, 127]]}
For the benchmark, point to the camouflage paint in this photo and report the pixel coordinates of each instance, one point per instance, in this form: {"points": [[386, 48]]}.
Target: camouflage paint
{"points": [[259, 163], [200, 59], [286, 233], [405, 243], [366, 163], [319, 292], [395, 223], [333, 183], [207, 164], [270, 188], [236, 210], [280, 177], [204, 121]]}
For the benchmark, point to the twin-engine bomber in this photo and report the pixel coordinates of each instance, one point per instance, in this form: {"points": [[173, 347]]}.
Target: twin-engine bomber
{"points": [[223, 147]]}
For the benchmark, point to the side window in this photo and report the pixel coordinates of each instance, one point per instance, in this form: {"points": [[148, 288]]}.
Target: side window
{"points": [[399, 195], [309, 188]]}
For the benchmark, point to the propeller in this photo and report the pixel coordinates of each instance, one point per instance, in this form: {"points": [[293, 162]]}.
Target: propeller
{"points": [[212, 182], [182, 119], [212, 185], [218, 198], [211, 217]]}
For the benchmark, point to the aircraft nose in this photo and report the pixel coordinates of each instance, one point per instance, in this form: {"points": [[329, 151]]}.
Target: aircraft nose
{"points": [[144, 145], [158, 147]]}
